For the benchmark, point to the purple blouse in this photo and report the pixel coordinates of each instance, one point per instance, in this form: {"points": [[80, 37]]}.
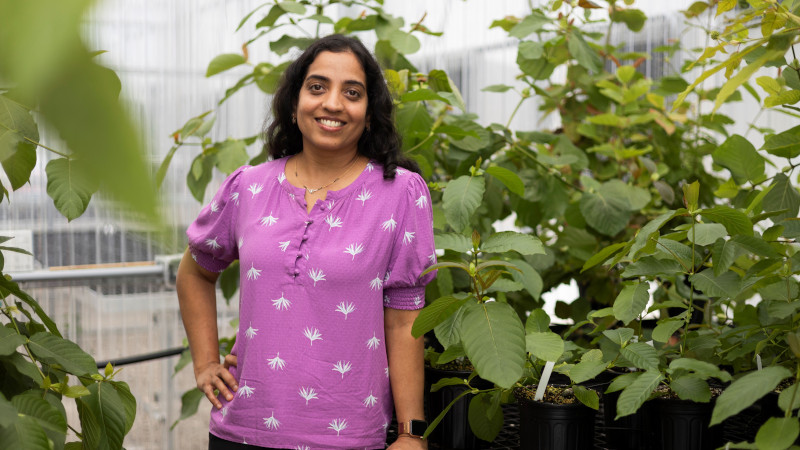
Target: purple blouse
{"points": [[312, 370]]}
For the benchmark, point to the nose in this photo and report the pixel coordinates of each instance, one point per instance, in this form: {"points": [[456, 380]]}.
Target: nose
{"points": [[333, 102]]}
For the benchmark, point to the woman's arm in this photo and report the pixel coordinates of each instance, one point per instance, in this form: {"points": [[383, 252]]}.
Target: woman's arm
{"points": [[406, 372], [198, 304]]}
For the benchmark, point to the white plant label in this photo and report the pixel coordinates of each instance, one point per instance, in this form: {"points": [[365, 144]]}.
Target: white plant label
{"points": [[548, 369]]}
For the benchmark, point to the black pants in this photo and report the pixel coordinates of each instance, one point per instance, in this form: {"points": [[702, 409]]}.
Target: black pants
{"points": [[215, 443]]}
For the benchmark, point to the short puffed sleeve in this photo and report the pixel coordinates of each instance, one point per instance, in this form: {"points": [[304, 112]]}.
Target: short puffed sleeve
{"points": [[212, 237], [413, 250]]}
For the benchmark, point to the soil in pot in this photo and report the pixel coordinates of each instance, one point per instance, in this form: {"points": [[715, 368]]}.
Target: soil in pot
{"points": [[453, 432], [560, 422]]}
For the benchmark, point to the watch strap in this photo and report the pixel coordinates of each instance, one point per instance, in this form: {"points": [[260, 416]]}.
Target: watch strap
{"points": [[412, 427]]}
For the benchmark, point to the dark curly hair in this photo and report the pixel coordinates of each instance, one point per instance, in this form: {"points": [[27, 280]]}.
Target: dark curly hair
{"points": [[381, 142]]}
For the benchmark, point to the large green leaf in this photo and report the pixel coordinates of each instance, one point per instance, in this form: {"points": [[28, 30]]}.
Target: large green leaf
{"points": [[634, 19], [701, 369], [453, 241], [650, 266], [602, 255], [528, 277], [494, 339], [223, 62], [231, 154], [485, 415], [16, 126], [190, 401], [103, 417], [532, 23], [633, 396], [785, 144], [9, 341], [590, 366], [7, 285], [128, 403], [739, 156], [544, 345], [778, 433], [641, 355], [790, 397], [727, 285], [405, 43], [461, 198], [285, 43], [587, 396], [725, 253], [691, 388], [55, 350], [631, 301], [435, 313], [746, 390], [706, 233], [24, 433], [509, 179], [619, 336], [70, 187], [538, 321], [46, 415], [643, 235], [605, 211], [665, 329], [19, 164], [510, 240], [582, 52], [448, 332], [783, 195]]}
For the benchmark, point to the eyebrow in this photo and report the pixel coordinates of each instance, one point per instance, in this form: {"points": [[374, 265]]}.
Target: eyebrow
{"points": [[326, 79]]}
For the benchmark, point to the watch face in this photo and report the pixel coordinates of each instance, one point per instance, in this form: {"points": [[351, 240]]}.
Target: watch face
{"points": [[418, 427]]}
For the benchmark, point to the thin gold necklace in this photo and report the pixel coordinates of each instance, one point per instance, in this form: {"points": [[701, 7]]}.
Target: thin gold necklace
{"points": [[311, 191]]}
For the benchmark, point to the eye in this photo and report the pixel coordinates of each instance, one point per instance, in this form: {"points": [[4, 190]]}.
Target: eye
{"points": [[315, 87], [353, 93]]}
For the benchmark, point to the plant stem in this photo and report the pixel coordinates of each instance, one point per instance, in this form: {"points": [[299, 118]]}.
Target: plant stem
{"points": [[514, 113], [47, 148]]}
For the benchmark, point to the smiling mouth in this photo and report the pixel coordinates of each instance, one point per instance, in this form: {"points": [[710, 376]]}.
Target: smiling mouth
{"points": [[330, 123]]}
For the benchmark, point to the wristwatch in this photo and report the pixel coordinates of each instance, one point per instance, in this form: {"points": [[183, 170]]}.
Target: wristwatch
{"points": [[413, 427]]}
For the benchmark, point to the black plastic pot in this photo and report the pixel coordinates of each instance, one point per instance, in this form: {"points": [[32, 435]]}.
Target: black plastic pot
{"points": [[453, 432], [546, 426], [627, 433], [682, 424]]}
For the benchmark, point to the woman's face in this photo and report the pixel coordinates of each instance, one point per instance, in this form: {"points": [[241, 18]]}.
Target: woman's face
{"points": [[332, 105]]}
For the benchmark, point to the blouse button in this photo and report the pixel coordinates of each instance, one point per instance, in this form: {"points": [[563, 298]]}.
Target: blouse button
{"points": [[305, 237], [299, 254], [296, 272]]}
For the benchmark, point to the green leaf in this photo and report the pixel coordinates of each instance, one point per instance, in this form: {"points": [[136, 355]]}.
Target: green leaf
{"points": [[783, 98], [691, 388], [24, 433], [727, 285], [587, 396], [545, 345], [19, 164], [622, 381], [50, 419], [16, 124], [286, 43], [461, 199], [604, 211], [538, 321], [701, 369], [505, 241], [746, 390], [190, 400], [494, 339], [755, 245], [229, 281], [665, 329], [453, 241], [790, 397], [634, 19], [485, 416], [739, 156], [602, 255], [777, 433], [735, 221], [55, 350], [231, 154], [591, 365], [403, 42], [744, 74], [625, 74], [450, 353], [292, 7], [650, 266], [706, 233], [420, 95], [435, 313], [70, 187], [619, 336], [497, 88], [582, 52], [630, 302], [532, 23], [643, 235], [509, 179], [272, 16], [14, 289], [785, 144], [528, 277], [783, 196], [633, 396], [223, 62], [641, 355], [102, 415], [9, 341]]}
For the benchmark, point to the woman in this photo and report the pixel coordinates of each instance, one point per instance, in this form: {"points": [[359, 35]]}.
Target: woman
{"points": [[332, 236]]}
